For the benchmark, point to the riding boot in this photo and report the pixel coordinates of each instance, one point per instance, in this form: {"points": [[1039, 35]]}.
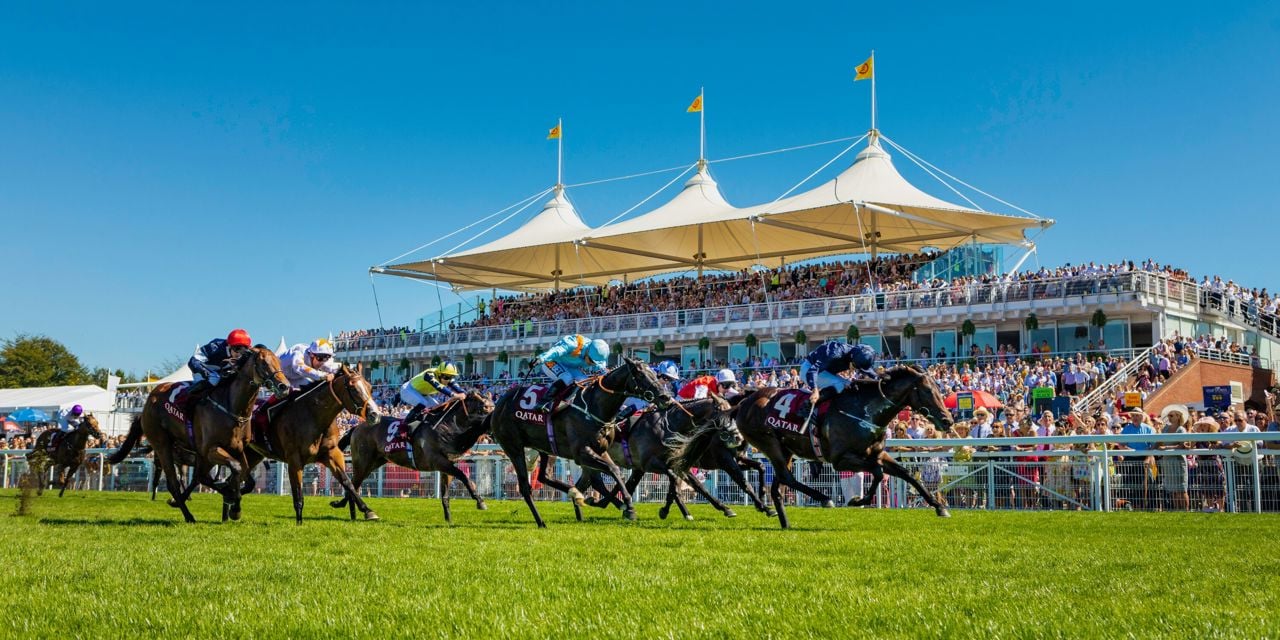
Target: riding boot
{"points": [[197, 390], [552, 394], [415, 414]]}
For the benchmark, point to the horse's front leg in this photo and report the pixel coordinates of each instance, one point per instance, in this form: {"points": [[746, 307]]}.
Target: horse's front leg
{"points": [[587, 457], [544, 460], [70, 474]]}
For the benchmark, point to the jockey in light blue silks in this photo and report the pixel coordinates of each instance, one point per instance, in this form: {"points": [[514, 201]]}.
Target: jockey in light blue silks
{"points": [[572, 359]]}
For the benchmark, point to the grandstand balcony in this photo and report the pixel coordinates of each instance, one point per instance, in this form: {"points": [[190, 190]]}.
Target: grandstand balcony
{"points": [[1140, 306]]}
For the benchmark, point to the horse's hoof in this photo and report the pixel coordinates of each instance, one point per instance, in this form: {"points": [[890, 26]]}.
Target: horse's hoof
{"points": [[730, 513], [770, 513], [480, 506], [629, 514], [336, 504], [663, 513], [171, 502], [689, 517], [235, 514], [943, 512], [577, 497], [369, 515], [828, 505]]}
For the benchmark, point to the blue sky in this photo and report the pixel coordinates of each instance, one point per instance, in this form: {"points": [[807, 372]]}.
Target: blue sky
{"points": [[170, 172]]}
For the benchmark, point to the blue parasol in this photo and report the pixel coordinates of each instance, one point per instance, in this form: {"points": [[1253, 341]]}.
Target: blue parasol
{"points": [[29, 415]]}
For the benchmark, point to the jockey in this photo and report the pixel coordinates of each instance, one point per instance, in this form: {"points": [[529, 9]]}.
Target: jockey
{"points": [[303, 364], [430, 389], [212, 360], [822, 367], [667, 371], [700, 387], [728, 384], [573, 358], [69, 419]]}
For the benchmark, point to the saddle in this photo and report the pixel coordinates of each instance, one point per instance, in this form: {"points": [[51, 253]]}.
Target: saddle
{"points": [[528, 403], [55, 439]]}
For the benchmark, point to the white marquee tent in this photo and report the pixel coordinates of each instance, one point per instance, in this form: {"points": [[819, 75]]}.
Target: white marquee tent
{"points": [[867, 209], [51, 400]]}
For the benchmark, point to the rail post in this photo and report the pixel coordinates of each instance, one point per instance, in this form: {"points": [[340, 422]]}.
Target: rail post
{"points": [[1255, 461], [1106, 478], [991, 485]]}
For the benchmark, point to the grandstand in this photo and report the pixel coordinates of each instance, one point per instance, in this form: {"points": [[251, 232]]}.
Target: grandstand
{"points": [[929, 285]]}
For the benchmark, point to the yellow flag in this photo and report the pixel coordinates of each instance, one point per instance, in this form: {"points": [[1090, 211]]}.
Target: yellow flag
{"points": [[865, 70], [696, 106], [554, 134]]}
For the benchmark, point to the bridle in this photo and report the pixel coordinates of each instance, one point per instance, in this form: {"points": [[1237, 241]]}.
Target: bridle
{"points": [[365, 400]]}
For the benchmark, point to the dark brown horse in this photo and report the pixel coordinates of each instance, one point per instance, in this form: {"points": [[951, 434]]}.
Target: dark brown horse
{"points": [[304, 430], [581, 432], [851, 438], [443, 436], [668, 442], [219, 430], [66, 458]]}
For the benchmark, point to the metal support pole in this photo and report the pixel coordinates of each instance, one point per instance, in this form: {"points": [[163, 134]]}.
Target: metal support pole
{"points": [[382, 474], [279, 478], [991, 485], [6, 472], [1257, 478], [1230, 467], [102, 465], [1106, 478]]}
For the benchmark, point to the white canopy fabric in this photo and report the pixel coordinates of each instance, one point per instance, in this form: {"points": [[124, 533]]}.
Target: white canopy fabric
{"points": [[51, 400], [181, 374], [869, 208]]}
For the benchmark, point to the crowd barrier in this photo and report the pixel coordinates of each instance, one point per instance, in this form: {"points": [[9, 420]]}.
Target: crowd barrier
{"points": [[1069, 472]]}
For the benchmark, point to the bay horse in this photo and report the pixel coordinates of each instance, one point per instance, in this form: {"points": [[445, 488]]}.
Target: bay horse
{"points": [[66, 458], [668, 442], [218, 434], [305, 430], [581, 432], [852, 436], [443, 436]]}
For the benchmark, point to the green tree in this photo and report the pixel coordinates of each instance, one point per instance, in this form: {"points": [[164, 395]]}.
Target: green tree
{"points": [[659, 346], [852, 333], [39, 361]]}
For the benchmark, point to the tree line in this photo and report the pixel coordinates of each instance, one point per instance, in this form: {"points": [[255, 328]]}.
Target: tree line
{"points": [[40, 361]]}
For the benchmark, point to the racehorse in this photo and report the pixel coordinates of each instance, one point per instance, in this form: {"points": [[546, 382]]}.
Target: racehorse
{"points": [[851, 438], [218, 431], [668, 442], [66, 458], [443, 436], [581, 432], [304, 430]]}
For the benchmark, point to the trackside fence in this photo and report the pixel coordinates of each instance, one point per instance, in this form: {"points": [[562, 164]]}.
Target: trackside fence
{"points": [[1212, 472]]}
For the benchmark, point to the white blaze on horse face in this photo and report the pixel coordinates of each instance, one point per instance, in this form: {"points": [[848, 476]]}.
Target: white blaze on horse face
{"points": [[366, 391]]}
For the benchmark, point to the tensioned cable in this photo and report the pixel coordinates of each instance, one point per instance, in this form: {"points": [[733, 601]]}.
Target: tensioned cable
{"points": [[1007, 204], [456, 232], [651, 196], [797, 148], [912, 158], [816, 171], [495, 225]]}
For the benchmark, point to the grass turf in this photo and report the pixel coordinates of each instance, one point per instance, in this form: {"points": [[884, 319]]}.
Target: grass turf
{"points": [[119, 565]]}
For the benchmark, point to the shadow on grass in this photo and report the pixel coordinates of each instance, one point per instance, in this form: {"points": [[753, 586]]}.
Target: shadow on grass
{"points": [[128, 522]]}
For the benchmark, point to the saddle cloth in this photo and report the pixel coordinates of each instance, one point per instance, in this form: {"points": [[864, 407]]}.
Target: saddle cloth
{"points": [[397, 439], [529, 401], [789, 411], [176, 404]]}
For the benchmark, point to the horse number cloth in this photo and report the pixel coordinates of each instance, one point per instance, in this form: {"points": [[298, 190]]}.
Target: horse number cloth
{"points": [[788, 410]]}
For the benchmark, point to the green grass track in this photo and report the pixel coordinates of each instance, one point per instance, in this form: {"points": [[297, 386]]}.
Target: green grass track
{"points": [[111, 565]]}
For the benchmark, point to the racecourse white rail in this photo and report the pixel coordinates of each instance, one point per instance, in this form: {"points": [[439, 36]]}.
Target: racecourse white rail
{"points": [[1061, 472]]}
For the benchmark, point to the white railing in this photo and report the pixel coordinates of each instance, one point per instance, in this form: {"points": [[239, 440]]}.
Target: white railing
{"points": [[715, 318], [1118, 379], [1085, 472]]}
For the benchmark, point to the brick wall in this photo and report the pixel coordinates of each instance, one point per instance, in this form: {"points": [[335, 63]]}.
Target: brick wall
{"points": [[1186, 386]]}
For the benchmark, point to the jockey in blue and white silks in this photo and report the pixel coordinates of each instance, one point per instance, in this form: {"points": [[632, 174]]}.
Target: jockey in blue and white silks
{"points": [[668, 373], [570, 360], [303, 364], [822, 367]]}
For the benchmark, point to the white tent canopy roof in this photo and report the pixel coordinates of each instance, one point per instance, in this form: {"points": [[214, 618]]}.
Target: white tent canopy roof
{"points": [[51, 400], [869, 208]]}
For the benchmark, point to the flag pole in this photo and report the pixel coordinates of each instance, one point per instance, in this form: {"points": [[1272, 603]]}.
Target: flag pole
{"points": [[702, 128], [560, 150], [873, 95]]}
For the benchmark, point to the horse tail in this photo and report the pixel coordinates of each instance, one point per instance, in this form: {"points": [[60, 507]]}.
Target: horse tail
{"points": [[135, 434]]}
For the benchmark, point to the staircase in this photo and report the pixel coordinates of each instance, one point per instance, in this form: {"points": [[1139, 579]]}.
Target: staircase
{"points": [[1107, 389]]}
